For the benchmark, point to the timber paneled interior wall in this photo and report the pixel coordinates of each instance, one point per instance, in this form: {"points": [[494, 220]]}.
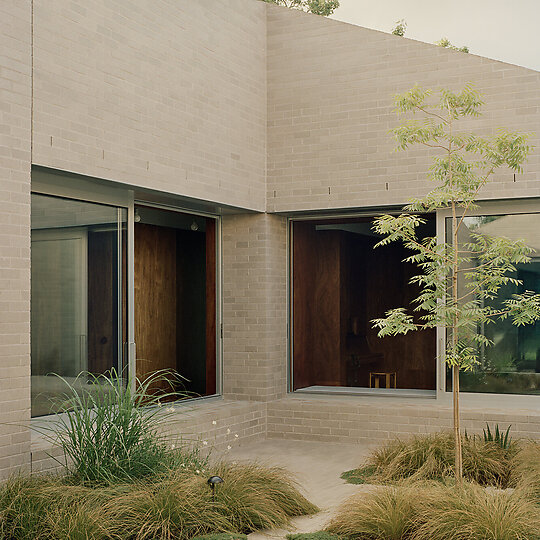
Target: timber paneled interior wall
{"points": [[175, 303]]}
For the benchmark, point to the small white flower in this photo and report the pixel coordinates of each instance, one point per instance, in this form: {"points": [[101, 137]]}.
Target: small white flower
{"points": [[236, 435], [159, 403], [228, 431], [229, 447], [214, 422], [173, 446], [183, 465], [205, 443], [197, 471]]}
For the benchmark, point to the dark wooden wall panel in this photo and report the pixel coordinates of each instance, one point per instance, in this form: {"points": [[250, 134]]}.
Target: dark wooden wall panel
{"points": [[155, 298]]}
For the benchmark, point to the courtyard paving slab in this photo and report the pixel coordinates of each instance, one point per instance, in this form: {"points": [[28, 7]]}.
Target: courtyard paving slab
{"points": [[317, 467]]}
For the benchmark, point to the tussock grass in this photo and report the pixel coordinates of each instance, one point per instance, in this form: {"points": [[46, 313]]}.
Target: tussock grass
{"points": [[434, 511], [471, 512], [45, 507], [260, 497], [431, 457], [526, 469], [176, 504], [388, 513]]}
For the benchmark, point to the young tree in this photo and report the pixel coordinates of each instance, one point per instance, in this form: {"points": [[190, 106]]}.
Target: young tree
{"points": [[318, 7], [457, 278]]}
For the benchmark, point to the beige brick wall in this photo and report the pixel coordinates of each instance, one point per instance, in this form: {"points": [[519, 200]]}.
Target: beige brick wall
{"points": [[163, 94], [369, 420], [254, 307], [15, 149], [330, 88]]}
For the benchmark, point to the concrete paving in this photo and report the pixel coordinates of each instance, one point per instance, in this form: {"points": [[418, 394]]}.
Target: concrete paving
{"points": [[317, 466]]}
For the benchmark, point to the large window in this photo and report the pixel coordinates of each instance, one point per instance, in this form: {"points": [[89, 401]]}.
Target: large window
{"points": [[512, 364], [78, 294], [339, 284], [82, 310]]}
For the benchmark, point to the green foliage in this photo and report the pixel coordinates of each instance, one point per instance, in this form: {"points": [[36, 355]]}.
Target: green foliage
{"points": [[445, 42], [176, 504], [319, 535], [109, 433], [317, 7], [431, 457], [221, 536], [260, 497], [363, 475], [400, 28], [498, 437]]}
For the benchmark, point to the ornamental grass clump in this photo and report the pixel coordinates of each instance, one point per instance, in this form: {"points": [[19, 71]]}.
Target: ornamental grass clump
{"points": [[258, 497], [110, 432], [387, 513], [178, 504], [433, 511], [43, 507], [526, 469], [470, 512], [431, 457]]}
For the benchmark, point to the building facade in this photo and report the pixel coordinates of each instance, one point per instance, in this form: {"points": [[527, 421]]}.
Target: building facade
{"points": [[191, 187]]}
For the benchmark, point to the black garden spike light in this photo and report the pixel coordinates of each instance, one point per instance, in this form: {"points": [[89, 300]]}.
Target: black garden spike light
{"points": [[212, 482]]}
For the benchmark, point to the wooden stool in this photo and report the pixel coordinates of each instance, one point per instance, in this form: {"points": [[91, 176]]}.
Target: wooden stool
{"points": [[387, 377]]}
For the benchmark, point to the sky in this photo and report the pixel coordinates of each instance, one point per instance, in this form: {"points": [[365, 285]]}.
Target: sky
{"points": [[506, 30]]}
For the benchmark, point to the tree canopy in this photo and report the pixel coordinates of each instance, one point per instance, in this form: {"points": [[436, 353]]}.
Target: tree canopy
{"points": [[318, 7], [401, 28]]}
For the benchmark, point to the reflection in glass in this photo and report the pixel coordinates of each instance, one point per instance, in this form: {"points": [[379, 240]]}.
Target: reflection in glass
{"points": [[512, 364], [77, 298]]}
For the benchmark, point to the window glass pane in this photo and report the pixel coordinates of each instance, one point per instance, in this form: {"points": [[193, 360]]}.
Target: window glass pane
{"points": [[512, 364], [78, 254]]}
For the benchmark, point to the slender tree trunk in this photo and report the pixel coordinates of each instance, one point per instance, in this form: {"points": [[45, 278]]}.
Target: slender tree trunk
{"points": [[455, 369], [457, 430], [458, 465]]}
